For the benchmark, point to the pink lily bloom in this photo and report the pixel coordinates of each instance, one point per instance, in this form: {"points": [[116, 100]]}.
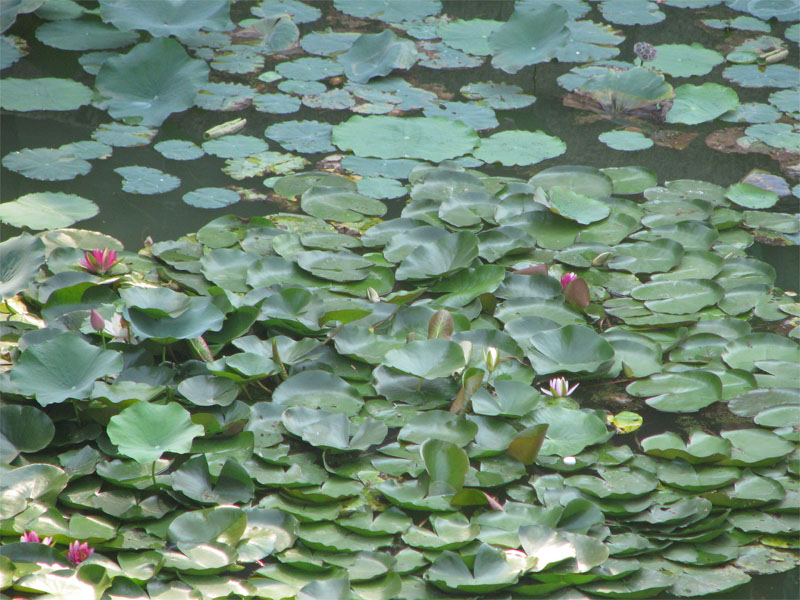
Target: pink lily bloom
{"points": [[79, 552], [567, 278], [559, 388], [33, 538], [99, 261]]}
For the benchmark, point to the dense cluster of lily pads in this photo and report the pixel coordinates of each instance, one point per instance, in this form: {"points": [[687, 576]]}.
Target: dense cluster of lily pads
{"points": [[573, 384]]}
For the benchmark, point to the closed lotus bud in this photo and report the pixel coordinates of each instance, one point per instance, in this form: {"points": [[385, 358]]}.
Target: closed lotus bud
{"points": [[372, 295], [492, 358], [96, 320]]}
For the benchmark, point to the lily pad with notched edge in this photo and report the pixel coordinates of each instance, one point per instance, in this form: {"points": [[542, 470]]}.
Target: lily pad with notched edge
{"points": [[47, 210]]}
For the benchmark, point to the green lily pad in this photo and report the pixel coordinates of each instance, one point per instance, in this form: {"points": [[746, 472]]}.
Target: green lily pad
{"points": [[492, 570], [47, 164], [22, 257], [65, 366], [678, 392], [433, 139], [46, 93], [145, 431], [621, 139], [569, 431], [23, 429], [683, 296], [577, 207], [699, 103], [151, 82], [631, 12], [755, 447], [646, 257], [751, 196], [445, 255], [519, 147], [572, 348], [177, 18], [338, 204], [682, 60], [529, 37], [301, 136], [145, 180], [375, 55], [778, 76], [318, 389]]}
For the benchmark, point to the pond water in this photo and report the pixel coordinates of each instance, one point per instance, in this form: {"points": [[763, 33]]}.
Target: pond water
{"points": [[682, 150]]}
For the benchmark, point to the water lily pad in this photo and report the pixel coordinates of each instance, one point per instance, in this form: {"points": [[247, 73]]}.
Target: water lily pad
{"points": [[276, 103], [631, 12], [152, 81], [500, 96], [179, 150], [211, 198], [23, 429], [779, 76], [47, 210], [117, 134], [337, 204], [577, 207], [519, 147], [71, 375], [176, 18], [683, 60], [46, 93], [434, 139], [621, 139], [376, 55], [84, 34], [678, 392], [47, 164], [492, 570], [301, 136], [573, 348], [445, 255], [529, 37], [699, 103], [144, 180], [22, 257], [470, 36], [777, 135], [299, 11]]}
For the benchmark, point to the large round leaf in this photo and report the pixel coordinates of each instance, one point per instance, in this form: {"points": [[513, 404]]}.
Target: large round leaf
{"points": [[678, 297], [163, 19], [429, 138], [377, 54], [47, 93], [569, 431], [428, 359], [516, 147], [647, 257], [152, 81], [678, 392], [65, 366], [47, 210], [573, 348], [529, 37], [47, 164], [577, 207], [742, 353], [445, 255], [21, 258], [682, 60], [144, 431], [318, 389], [700, 103], [23, 429], [338, 204]]}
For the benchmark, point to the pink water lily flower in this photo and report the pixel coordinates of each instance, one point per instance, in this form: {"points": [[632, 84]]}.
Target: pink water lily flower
{"points": [[99, 261], [33, 538], [567, 278], [559, 388], [79, 552]]}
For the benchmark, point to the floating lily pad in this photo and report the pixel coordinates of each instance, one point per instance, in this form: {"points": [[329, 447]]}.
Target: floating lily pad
{"points": [[625, 140], [519, 147], [179, 150], [144, 180], [47, 210], [682, 60], [433, 138], [631, 12], [117, 134], [211, 197], [376, 55], [387, 10], [699, 103], [46, 93], [47, 164], [678, 392], [151, 82], [84, 34], [779, 76], [529, 37], [301, 136]]}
